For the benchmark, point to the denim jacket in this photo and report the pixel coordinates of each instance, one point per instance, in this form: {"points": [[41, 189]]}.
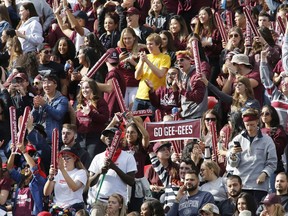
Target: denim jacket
{"points": [[52, 114], [36, 186]]}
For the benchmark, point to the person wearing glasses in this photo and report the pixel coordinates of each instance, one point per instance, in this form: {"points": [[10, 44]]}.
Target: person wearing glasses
{"points": [[46, 66], [38, 85], [235, 43], [193, 92], [168, 97], [210, 115], [50, 109], [68, 182], [270, 124], [253, 156]]}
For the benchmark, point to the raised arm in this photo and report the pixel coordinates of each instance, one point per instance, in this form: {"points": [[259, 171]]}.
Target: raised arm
{"points": [[285, 50], [56, 10]]}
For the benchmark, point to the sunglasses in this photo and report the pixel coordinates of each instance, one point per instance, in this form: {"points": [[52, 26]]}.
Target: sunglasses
{"points": [[265, 114], [233, 35], [47, 52], [193, 25], [36, 83], [210, 119]]}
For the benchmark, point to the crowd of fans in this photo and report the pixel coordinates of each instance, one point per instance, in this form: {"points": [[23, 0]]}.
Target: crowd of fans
{"points": [[236, 80]]}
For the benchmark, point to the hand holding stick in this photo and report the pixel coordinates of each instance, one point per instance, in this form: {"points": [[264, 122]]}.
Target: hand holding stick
{"points": [[214, 139], [55, 146], [112, 149]]}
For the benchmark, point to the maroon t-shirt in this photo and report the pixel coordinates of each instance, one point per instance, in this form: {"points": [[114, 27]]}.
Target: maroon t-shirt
{"points": [[94, 121], [171, 6], [140, 156], [128, 72], [5, 184], [24, 202], [110, 98], [258, 90]]}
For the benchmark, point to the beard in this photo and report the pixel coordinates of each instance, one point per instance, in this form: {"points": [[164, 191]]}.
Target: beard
{"points": [[234, 193], [191, 188]]}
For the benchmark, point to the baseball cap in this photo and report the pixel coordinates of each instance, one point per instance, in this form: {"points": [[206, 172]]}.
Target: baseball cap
{"points": [[70, 151], [241, 59], [271, 199], [114, 56], [160, 145], [21, 76], [209, 208], [132, 10], [109, 130], [81, 14]]}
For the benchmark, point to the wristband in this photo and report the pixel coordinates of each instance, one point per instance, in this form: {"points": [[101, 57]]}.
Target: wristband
{"points": [[50, 178]]}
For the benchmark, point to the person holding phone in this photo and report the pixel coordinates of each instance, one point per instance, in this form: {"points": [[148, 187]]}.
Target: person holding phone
{"points": [[128, 50], [253, 156], [188, 195]]}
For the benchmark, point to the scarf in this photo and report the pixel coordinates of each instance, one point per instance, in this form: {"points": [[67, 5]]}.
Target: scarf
{"points": [[115, 156]]}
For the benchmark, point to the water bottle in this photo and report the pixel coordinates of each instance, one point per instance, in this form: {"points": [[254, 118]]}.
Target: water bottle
{"points": [[174, 111], [67, 66]]}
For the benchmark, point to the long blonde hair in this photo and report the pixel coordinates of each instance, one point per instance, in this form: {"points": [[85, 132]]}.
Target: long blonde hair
{"points": [[249, 92], [135, 48], [279, 210], [16, 51]]}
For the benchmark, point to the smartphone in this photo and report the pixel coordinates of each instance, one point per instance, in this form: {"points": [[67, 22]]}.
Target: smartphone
{"points": [[123, 50], [237, 144]]}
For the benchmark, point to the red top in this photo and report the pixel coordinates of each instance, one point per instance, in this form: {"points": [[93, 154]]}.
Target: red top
{"points": [[110, 98]]}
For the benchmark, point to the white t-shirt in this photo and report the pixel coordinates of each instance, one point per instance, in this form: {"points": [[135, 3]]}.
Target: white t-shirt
{"points": [[112, 182], [79, 40], [64, 196]]}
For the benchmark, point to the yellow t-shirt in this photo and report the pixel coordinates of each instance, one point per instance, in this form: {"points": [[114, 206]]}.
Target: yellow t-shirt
{"points": [[160, 61]]}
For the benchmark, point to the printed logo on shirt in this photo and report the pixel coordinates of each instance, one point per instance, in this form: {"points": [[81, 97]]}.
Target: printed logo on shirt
{"points": [[62, 181], [168, 100], [189, 204]]}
